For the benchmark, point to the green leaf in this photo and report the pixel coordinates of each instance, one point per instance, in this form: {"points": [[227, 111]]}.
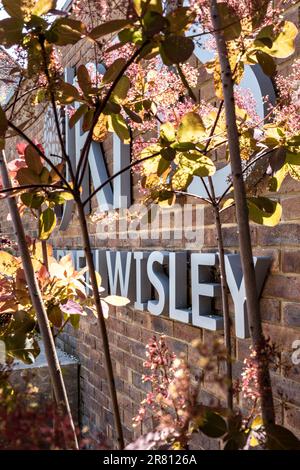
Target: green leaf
{"points": [[280, 438], [66, 31], [153, 23], [121, 89], [78, 115], [133, 116], [111, 108], [264, 211], [278, 178], [84, 80], [141, 6], [20, 339], [47, 223], [120, 127], [191, 128], [181, 179], [31, 200], [33, 160], [203, 166], [176, 49], [213, 425], [167, 132], [67, 93], [108, 28], [266, 62], [229, 21], [114, 70], [11, 31]]}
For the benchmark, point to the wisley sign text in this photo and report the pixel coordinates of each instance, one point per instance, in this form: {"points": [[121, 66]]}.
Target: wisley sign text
{"points": [[159, 282]]}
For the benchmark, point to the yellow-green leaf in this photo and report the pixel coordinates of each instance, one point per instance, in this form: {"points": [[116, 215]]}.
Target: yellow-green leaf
{"points": [[191, 128], [8, 264], [109, 27], [141, 6], [264, 211], [121, 89], [43, 6], [120, 127], [281, 45], [114, 70]]}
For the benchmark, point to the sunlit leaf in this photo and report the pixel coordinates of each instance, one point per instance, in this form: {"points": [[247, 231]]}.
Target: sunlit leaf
{"points": [[109, 27], [167, 132], [116, 300], [120, 127], [282, 44], [114, 70], [43, 6], [66, 31], [121, 89], [141, 6], [264, 211], [191, 128], [100, 129], [8, 264]]}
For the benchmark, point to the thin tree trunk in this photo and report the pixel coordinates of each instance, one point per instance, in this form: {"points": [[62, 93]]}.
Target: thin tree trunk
{"points": [[37, 302], [224, 295], [253, 309], [101, 322]]}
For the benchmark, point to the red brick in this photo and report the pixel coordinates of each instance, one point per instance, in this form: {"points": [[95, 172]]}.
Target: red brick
{"points": [[285, 287]]}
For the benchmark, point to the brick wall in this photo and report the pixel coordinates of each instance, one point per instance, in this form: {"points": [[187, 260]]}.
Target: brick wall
{"points": [[129, 330]]}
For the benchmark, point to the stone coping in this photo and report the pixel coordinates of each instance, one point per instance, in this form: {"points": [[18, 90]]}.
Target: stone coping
{"points": [[41, 361]]}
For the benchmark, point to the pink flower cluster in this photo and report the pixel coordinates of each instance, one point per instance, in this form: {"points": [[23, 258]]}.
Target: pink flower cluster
{"points": [[172, 395], [245, 100], [253, 366], [287, 111]]}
